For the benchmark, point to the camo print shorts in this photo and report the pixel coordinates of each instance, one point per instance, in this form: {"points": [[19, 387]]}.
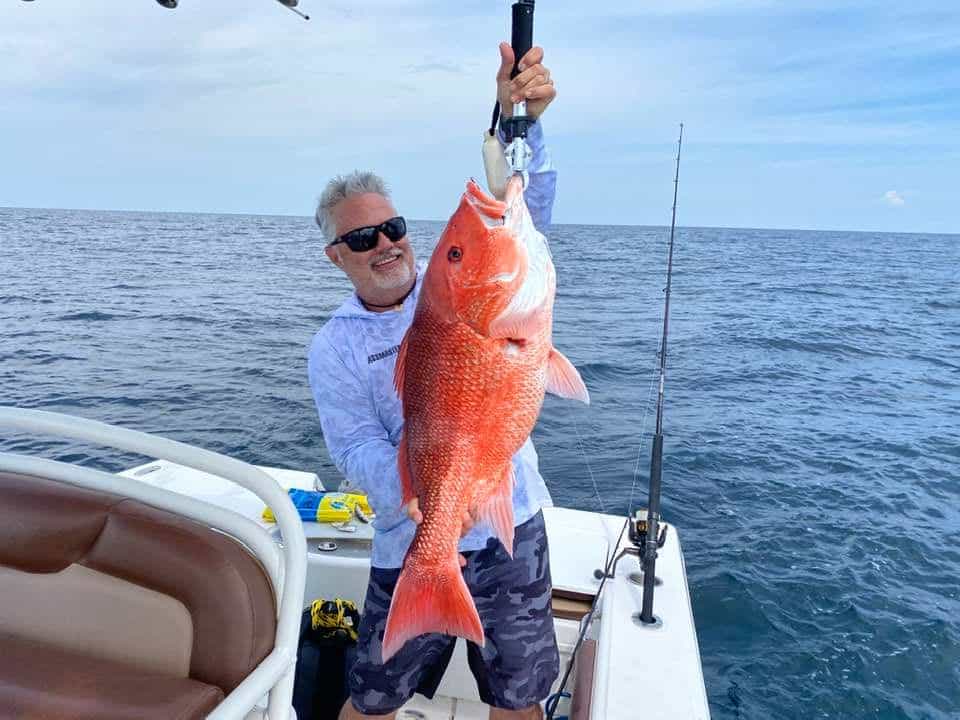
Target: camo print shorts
{"points": [[519, 660]]}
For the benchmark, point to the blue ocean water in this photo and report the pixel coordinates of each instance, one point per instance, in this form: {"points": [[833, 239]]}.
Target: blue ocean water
{"points": [[812, 413]]}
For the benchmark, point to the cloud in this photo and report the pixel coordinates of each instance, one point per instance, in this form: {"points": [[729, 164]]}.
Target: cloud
{"points": [[223, 95], [894, 198], [429, 67]]}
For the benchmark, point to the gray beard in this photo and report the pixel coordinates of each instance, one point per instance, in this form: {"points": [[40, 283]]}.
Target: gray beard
{"points": [[396, 278]]}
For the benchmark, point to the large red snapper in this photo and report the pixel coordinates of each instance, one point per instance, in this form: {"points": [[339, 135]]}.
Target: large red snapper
{"points": [[471, 373]]}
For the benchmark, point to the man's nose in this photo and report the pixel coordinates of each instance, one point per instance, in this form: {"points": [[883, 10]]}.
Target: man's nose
{"points": [[383, 242]]}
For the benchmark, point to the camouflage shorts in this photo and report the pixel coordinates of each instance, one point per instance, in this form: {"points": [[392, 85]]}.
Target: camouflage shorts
{"points": [[519, 660]]}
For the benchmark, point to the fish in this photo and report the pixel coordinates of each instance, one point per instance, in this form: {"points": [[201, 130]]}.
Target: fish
{"points": [[471, 374]]}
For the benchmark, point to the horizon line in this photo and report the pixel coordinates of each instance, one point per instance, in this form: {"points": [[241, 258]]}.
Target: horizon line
{"points": [[585, 224]]}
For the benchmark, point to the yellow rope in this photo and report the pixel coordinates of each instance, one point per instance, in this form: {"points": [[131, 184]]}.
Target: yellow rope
{"points": [[337, 615]]}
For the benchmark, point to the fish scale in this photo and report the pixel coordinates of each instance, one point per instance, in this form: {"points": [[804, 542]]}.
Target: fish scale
{"points": [[471, 373]]}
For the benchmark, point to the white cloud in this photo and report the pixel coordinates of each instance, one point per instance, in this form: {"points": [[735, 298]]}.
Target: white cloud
{"points": [[217, 92], [894, 198]]}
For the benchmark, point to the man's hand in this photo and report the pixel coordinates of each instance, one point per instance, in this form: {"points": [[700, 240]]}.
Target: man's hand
{"points": [[413, 512], [533, 84]]}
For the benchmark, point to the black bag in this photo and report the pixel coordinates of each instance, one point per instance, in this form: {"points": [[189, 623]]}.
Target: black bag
{"points": [[328, 634]]}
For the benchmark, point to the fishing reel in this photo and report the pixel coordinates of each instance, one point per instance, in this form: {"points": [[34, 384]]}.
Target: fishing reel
{"points": [[638, 531]]}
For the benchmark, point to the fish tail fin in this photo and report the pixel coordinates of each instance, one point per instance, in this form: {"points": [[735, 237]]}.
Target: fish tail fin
{"points": [[425, 603]]}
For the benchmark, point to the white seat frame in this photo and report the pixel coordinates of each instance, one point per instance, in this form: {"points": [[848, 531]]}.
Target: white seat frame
{"points": [[286, 564]]}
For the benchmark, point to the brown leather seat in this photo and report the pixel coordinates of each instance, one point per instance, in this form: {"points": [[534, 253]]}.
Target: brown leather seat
{"points": [[157, 615], [38, 681]]}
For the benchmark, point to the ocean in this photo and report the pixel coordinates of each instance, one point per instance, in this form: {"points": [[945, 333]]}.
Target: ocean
{"points": [[812, 415]]}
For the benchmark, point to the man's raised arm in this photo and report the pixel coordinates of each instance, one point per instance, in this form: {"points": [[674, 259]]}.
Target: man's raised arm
{"points": [[534, 85]]}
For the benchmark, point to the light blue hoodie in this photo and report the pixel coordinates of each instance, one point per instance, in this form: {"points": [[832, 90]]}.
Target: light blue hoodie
{"points": [[350, 366]]}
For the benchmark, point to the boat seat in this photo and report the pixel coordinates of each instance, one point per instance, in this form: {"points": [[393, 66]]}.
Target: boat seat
{"points": [[116, 610], [39, 681]]}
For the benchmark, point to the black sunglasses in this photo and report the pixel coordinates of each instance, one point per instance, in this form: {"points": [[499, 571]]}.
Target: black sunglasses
{"points": [[366, 238]]}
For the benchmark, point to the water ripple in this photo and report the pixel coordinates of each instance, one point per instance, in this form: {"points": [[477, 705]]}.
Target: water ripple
{"points": [[812, 441]]}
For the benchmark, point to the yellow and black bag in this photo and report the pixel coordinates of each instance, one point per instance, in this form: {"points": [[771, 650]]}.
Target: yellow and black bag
{"points": [[328, 633]]}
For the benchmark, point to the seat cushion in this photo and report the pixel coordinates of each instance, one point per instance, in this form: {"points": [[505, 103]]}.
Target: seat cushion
{"points": [[40, 681], [49, 526]]}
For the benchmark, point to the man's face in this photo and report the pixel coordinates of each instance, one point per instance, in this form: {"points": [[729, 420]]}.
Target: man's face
{"points": [[383, 272]]}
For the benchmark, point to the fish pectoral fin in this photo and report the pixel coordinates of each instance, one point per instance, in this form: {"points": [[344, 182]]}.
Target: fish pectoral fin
{"points": [[517, 326], [497, 511], [407, 491], [564, 380]]}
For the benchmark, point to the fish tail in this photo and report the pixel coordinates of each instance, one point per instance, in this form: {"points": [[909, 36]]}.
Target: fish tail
{"points": [[427, 602]]}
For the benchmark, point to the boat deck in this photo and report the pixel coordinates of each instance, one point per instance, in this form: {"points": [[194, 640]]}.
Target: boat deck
{"points": [[631, 661]]}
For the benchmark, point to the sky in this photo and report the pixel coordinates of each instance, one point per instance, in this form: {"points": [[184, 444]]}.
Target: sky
{"points": [[819, 114]]}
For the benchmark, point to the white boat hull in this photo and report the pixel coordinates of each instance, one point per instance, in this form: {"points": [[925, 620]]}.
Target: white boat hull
{"points": [[638, 670]]}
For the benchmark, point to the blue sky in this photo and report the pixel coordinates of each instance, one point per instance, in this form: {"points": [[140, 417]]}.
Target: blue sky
{"points": [[804, 114]]}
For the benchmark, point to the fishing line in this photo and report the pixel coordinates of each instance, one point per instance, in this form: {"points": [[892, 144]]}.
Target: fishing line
{"points": [[643, 430], [553, 701], [646, 414], [649, 556], [596, 488]]}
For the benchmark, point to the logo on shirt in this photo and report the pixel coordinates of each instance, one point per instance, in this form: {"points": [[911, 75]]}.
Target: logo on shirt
{"points": [[381, 355]]}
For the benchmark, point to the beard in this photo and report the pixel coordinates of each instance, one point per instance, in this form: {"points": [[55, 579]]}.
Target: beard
{"points": [[396, 275]]}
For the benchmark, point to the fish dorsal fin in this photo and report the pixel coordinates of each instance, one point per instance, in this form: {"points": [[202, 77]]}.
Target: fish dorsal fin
{"points": [[398, 369], [563, 378], [497, 510]]}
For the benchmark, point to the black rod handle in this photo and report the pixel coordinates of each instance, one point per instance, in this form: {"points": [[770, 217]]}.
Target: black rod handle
{"points": [[653, 521], [522, 35]]}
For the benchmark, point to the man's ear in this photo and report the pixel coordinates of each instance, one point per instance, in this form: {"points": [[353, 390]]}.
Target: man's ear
{"points": [[333, 252]]}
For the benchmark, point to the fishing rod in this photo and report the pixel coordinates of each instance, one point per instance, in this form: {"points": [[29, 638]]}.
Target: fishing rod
{"points": [[644, 530], [515, 127], [652, 540], [499, 163]]}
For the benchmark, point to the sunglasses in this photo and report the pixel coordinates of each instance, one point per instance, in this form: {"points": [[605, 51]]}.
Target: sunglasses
{"points": [[366, 238]]}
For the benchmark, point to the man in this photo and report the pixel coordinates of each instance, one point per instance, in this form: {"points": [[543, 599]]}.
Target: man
{"points": [[350, 366]]}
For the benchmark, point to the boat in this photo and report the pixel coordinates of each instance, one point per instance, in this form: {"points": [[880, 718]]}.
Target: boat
{"points": [[107, 580], [162, 592]]}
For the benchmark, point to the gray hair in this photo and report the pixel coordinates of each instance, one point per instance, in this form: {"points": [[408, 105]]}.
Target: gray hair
{"points": [[339, 189]]}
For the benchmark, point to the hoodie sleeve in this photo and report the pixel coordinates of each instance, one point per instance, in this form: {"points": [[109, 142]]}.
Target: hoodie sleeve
{"points": [[542, 188], [357, 440]]}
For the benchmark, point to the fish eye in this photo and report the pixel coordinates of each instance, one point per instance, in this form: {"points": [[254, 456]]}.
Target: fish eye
{"points": [[454, 254]]}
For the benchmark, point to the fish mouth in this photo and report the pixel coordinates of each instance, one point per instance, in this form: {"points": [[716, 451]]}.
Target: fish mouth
{"points": [[490, 210], [535, 292]]}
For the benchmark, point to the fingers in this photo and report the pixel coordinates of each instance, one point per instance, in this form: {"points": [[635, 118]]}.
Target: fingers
{"points": [[463, 560], [529, 80], [506, 61], [533, 57], [467, 522], [529, 75], [413, 511], [544, 92]]}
